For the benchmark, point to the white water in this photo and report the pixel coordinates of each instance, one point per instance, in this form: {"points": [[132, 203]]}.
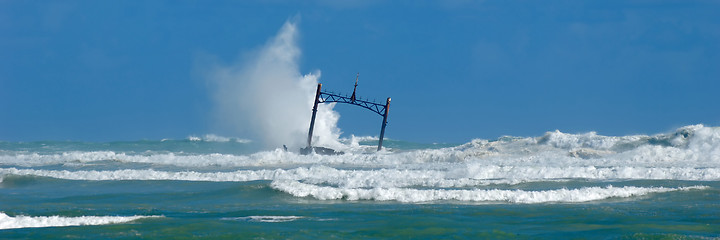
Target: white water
{"points": [[390, 177], [268, 219], [216, 138], [689, 147], [476, 195], [691, 153], [7, 222]]}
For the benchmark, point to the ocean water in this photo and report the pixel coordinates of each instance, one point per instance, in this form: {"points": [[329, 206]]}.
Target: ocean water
{"points": [[555, 186]]}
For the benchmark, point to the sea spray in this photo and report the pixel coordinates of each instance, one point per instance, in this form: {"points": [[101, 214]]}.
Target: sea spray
{"points": [[268, 98]]}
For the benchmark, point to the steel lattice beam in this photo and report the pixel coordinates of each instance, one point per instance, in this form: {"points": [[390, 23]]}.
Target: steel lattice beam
{"points": [[372, 106]]}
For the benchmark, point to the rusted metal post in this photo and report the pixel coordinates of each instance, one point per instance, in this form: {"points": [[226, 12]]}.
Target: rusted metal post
{"points": [[312, 120], [384, 123]]}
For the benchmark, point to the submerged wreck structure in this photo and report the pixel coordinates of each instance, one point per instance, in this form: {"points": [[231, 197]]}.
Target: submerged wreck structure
{"points": [[327, 97]]}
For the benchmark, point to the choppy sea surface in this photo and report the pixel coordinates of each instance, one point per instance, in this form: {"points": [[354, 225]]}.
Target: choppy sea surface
{"points": [[555, 186]]}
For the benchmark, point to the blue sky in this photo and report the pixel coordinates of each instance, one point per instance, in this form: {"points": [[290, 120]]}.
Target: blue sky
{"points": [[456, 70]]}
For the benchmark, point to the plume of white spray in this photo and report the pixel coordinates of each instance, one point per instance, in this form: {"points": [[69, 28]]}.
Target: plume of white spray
{"points": [[266, 97]]}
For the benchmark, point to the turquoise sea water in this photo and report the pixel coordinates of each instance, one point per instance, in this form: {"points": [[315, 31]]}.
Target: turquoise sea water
{"points": [[555, 186]]}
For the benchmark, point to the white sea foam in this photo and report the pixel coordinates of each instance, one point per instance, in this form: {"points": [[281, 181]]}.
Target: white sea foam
{"points": [[7, 222], [148, 174], [175, 159], [268, 219], [468, 176], [689, 147], [585, 194], [689, 154], [216, 138]]}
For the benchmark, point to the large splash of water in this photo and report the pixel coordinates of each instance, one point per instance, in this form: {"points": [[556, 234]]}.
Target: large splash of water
{"points": [[266, 97]]}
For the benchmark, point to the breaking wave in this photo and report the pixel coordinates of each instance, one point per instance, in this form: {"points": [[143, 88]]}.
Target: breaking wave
{"points": [[216, 138], [7, 222], [692, 146], [267, 219], [406, 172], [458, 177], [476, 195]]}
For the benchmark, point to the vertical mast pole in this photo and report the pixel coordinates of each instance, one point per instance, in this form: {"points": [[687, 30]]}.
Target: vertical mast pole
{"points": [[352, 99], [384, 123], [314, 112]]}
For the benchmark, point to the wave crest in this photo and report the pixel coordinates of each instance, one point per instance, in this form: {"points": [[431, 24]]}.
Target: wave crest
{"points": [[216, 138], [585, 194], [7, 222]]}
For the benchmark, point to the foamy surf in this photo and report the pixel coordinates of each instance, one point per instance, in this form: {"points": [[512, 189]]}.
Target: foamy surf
{"points": [[267, 219], [694, 146], [216, 138], [20, 221], [585, 194], [458, 173], [460, 176]]}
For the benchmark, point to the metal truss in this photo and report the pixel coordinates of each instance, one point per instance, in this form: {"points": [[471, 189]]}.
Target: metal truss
{"points": [[327, 97]]}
